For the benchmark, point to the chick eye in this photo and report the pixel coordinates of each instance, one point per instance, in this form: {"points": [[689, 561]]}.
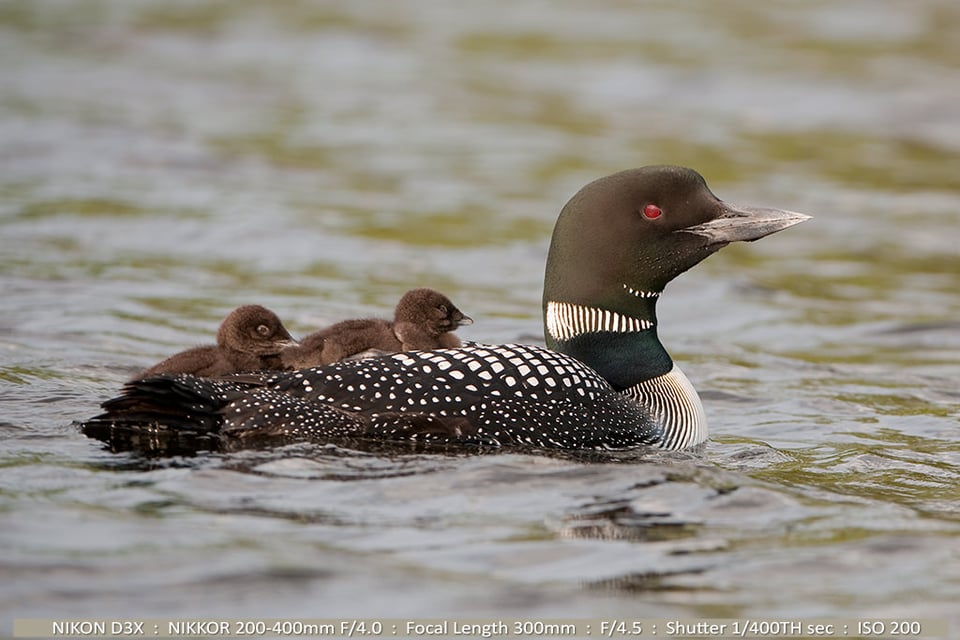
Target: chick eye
{"points": [[263, 330], [443, 308], [652, 212]]}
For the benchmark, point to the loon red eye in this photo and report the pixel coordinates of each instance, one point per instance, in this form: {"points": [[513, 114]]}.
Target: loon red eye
{"points": [[652, 212]]}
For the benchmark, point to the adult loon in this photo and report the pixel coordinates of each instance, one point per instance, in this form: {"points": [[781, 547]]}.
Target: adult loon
{"points": [[250, 338], [423, 319], [604, 380]]}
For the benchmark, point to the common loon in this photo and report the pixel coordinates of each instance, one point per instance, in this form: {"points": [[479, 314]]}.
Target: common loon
{"points": [[250, 338], [423, 319], [603, 381]]}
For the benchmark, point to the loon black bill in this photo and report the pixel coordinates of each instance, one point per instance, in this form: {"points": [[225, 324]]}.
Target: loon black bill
{"points": [[746, 223]]}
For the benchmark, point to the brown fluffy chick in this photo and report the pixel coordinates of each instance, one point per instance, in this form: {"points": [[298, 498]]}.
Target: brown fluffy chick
{"points": [[250, 338], [423, 319]]}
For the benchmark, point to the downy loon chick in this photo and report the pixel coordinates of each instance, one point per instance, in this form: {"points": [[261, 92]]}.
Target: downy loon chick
{"points": [[604, 380], [423, 319], [250, 338]]}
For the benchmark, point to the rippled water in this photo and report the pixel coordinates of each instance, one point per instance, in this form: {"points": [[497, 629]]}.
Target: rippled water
{"points": [[161, 163]]}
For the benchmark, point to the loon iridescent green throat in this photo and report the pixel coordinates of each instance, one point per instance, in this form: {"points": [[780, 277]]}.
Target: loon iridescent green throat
{"points": [[603, 381]]}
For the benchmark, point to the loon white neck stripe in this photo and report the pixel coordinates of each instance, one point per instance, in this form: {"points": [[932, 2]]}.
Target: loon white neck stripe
{"points": [[641, 294], [566, 320]]}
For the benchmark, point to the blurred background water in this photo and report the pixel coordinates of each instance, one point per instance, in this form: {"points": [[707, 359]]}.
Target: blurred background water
{"points": [[163, 162]]}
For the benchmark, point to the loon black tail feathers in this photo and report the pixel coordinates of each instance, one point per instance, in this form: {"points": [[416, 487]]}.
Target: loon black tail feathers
{"points": [[180, 402], [241, 407]]}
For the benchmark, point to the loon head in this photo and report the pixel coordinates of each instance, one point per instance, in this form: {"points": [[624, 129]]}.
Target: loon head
{"points": [[616, 245], [622, 238], [255, 330]]}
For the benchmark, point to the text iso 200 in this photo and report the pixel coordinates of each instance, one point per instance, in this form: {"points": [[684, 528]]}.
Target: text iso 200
{"points": [[892, 627]]}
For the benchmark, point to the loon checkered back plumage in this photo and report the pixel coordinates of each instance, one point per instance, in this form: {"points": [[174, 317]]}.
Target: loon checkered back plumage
{"points": [[603, 380], [509, 394]]}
